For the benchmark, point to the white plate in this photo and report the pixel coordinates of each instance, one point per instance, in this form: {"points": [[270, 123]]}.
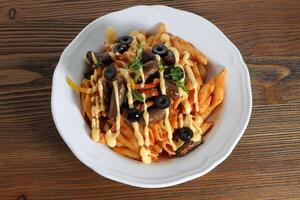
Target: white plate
{"points": [[229, 127]]}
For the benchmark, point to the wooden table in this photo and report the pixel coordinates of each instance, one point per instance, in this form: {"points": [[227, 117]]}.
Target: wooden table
{"points": [[35, 163]]}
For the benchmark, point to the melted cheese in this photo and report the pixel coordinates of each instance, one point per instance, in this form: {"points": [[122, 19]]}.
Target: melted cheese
{"points": [[95, 110], [165, 39], [110, 137], [135, 125], [101, 96], [186, 63], [194, 126], [95, 121], [93, 78], [166, 120], [176, 54], [141, 71], [195, 85], [146, 119], [145, 155]]}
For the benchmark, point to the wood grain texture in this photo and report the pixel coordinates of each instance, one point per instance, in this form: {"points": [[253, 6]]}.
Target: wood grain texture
{"points": [[36, 164]]}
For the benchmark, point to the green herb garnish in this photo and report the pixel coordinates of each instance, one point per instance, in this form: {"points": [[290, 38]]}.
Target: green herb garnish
{"points": [[136, 64], [181, 85], [137, 96], [135, 67], [175, 74], [99, 64]]}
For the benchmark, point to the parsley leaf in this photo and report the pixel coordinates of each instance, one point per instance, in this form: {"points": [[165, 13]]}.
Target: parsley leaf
{"points": [[137, 96], [181, 85], [99, 64], [135, 66]]}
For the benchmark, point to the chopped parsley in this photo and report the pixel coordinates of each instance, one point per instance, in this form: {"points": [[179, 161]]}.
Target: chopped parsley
{"points": [[174, 73], [135, 67], [99, 64], [137, 96], [181, 85]]}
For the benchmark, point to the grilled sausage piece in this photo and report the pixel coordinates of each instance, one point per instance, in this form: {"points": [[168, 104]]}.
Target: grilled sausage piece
{"points": [[107, 92], [187, 147], [172, 89], [121, 89], [150, 68], [156, 114]]}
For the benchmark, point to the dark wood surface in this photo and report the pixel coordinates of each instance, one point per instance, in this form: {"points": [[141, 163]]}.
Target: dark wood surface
{"points": [[35, 163]]}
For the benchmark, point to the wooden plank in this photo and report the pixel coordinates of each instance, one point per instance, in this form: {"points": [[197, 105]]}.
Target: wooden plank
{"points": [[271, 31], [264, 165]]}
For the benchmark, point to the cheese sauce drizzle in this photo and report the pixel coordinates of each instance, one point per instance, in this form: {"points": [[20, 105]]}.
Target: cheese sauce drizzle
{"points": [[166, 121], [110, 137], [135, 125], [146, 119]]}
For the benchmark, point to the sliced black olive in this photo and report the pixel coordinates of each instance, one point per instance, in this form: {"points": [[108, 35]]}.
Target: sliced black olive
{"points": [[121, 48], [104, 58], [185, 134], [162, 101], [147, 56], [174, 73], [159, 49], [125, 40], [169, 59], [133, 115], [110, 72]]}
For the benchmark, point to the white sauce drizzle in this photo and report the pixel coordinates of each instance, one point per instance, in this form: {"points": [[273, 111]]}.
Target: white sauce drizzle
{"points": [[110, 137], [146, 119], [176, 54], [95, 121], [135, 125], [100, 90], [194, 126], [146, 155], [195, 85], [190, 74], [166, 121]]}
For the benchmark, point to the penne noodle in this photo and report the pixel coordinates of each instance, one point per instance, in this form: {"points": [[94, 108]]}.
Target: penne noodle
{"points": [[206, 126], [218, 94], [126, 152], [160, 31], [165, 145], [203, 71], [205, 105], [197, 74], [183, 45], [206, 90], [123, 140]]}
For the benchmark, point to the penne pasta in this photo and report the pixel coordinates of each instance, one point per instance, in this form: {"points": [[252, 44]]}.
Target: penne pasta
{"points": [[126, 152], [146, 95]]}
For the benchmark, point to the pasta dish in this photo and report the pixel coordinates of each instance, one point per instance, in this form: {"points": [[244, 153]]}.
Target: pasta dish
{"points": [[147, 96]]}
